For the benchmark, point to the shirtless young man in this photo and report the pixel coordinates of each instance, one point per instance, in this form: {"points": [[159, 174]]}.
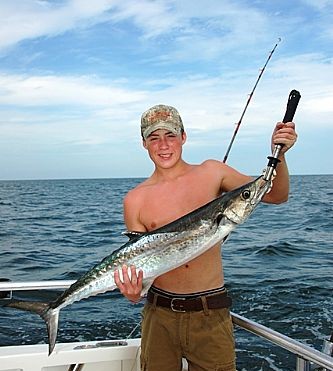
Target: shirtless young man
{"points": [[172, 327]]}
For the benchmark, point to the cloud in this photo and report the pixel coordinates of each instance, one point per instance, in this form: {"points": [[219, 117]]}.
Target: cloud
{"points": [[310, 73], [213, 26], [33, 19], [322, 5], [51, 90], [206, 102]]}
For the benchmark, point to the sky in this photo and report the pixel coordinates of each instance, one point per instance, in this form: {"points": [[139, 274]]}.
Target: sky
{"points": [[76, 75]]}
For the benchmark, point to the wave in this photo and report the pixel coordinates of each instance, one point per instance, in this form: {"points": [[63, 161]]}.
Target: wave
{"points": [[278, 249]]}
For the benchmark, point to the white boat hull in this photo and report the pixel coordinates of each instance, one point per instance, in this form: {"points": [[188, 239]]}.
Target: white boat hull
{"points": [[69, 357]]}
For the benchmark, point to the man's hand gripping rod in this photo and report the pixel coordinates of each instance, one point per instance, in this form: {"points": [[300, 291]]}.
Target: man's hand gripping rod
{"points": [[293, 100]]}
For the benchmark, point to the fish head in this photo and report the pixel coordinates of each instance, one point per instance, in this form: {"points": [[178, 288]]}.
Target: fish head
{"points": [[241, 202]]}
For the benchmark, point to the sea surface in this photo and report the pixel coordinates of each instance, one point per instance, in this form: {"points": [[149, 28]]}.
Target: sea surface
{"points": [[278, 265]]}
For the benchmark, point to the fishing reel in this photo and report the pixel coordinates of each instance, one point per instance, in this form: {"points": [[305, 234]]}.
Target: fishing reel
{"points": [[269, 179]]}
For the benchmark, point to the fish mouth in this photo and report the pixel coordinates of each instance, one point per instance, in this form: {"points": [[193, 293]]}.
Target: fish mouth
{"points": [[264, 186]]}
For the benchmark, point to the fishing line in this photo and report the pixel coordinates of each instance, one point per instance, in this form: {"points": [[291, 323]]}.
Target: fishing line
{"points": [[248, 101]]}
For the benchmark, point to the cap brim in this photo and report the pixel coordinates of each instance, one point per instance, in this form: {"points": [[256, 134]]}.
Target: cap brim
{"points": [[175, 129]]}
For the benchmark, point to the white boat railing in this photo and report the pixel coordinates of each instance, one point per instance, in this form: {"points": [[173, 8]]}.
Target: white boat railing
{"points": [[35, 285], [307, 359], [305, 354]]}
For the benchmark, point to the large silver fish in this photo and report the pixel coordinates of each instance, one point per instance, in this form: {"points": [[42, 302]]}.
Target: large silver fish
{"points": [[159, 251]]}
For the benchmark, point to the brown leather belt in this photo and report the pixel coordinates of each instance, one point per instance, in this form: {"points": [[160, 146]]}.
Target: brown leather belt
{"points": [[183, 304]]}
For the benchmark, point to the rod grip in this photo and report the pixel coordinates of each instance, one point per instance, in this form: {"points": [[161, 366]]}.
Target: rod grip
{"points": [[292, 103]]}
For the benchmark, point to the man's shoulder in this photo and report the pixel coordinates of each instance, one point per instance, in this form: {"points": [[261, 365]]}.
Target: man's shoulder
{"points": [[212, 165], [224, 175], [138, 192], [212, 162]]}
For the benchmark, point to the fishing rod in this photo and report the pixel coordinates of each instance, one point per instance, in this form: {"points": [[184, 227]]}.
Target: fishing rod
{"points": [[292, 103], [249, 100]]}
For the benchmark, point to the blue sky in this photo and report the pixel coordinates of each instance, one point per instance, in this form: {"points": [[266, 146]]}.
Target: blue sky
{"points": [[75, 76]]}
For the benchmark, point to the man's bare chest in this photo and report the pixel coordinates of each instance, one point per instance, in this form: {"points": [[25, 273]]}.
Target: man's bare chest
{"points": [[164, 207]]}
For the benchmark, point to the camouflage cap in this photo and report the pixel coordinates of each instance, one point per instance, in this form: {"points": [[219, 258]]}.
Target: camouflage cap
{"points": [[161, 117]]}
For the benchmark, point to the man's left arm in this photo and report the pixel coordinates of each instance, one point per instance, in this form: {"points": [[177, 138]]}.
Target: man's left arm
{"points": [[285, 135]]}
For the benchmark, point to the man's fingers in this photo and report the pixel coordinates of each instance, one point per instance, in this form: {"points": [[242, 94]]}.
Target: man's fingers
{"points": [[117, 280], [140, 277], [129, 282], [126, 278], [128, 275], [133, 275], [285, 134]]}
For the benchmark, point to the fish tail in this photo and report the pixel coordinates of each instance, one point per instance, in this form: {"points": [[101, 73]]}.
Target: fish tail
{"points": [[49, 315]]}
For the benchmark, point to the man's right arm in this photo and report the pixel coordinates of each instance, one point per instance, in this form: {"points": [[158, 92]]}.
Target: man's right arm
{"points": [[131, 283]]}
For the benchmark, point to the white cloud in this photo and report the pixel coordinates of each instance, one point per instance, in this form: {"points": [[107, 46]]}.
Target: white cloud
{"points": [[210, 28], [153, 17], [214, 26], [312, 74], [205, 102], [56, 90], [319, 4], [32, 19]]}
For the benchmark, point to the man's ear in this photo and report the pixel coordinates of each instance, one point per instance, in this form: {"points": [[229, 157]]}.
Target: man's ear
{"points": [[144, 143], [184, 137]]}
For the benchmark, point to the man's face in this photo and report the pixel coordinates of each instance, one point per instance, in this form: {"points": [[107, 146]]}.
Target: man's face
{"points": [[164, 147]]}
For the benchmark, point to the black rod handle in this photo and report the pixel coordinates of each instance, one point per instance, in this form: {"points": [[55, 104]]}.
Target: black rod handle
{"points": [[292, 103], [293, 100]]}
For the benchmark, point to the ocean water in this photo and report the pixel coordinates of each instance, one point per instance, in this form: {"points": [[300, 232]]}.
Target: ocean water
{"points": [[278, 265]]}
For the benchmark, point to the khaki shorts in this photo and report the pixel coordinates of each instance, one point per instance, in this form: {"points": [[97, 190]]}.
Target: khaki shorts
{"points": [[205, 338]]}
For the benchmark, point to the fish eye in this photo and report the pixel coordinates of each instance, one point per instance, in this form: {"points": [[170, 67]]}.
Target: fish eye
{"points": [[246, 194]]}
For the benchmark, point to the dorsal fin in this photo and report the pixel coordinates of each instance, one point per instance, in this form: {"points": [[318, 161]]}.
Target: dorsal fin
{"points": [[132, 234]]}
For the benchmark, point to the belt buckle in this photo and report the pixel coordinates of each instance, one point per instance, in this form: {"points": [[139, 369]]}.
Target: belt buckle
{"points": [[173, 307]]}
